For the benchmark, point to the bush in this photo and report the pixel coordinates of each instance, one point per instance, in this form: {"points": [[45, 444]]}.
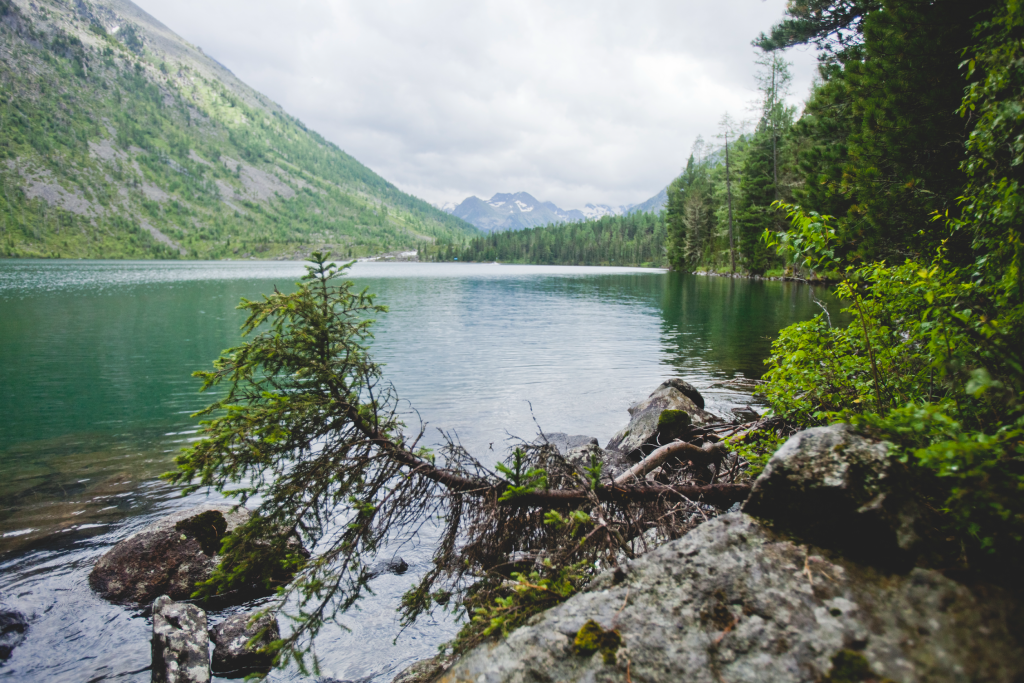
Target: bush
{"points": [[931, 362]]}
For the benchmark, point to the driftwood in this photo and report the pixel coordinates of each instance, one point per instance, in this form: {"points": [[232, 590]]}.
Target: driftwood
{"points": [[719, 495], [700, 455]]}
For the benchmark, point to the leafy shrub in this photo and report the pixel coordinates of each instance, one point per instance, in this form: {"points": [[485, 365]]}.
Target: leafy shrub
{"points": [[931, 362]]}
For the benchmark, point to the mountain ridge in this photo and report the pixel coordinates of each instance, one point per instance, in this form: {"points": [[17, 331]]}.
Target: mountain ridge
{"points": [[121, 139], [519, 210]]}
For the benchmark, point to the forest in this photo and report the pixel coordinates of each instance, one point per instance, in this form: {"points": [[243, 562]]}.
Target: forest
{"points": [[636, 239]]}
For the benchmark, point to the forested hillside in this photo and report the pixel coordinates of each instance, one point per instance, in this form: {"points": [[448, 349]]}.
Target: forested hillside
{"points": [[636, 239], [879, 144], [120, 140]]}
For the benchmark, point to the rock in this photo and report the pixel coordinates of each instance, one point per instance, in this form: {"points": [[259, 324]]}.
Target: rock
{"points": [[834, 488], [734, 601], [231, 653], [578, 448], [565, 443], [396, 565], [666, 414], [181, 646], [686, 389], [13, 625], [164, 560], [425, 670]]}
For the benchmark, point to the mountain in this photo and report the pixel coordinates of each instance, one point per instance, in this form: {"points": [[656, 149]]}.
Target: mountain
{"points": [[656, 203], [521, 210], [120, 139]]}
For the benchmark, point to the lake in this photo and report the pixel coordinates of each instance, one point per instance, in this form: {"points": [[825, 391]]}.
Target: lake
{"points": [[95, 369]]}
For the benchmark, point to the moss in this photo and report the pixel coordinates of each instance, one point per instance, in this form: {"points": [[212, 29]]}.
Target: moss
{"points": [[673, 421], [849, 666], [592, 638], [207, 527]]}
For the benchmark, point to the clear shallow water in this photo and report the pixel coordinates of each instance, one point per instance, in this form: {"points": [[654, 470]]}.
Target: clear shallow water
{"points": [[95, 363]]}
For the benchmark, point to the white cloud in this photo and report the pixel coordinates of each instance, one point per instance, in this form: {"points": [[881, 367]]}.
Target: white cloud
{"points": [[574, 102]]}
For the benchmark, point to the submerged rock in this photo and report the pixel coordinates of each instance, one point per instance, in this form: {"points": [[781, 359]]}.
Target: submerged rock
{"points": [[395, 565], [13, 625], [840, 490], [667, 414], [169, 557], [181, 645], [425, 670], [734, 601], [232, 655]]}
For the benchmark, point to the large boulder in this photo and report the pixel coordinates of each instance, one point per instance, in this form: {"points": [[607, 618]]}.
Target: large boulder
{"points": [[13, 625], [232, 653], [837, 489], [181, 645], [735, 601], [169, 557], [668, 413]]}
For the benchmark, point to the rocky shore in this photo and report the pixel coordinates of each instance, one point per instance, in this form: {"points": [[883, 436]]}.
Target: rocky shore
{"points": [[820, 574]]}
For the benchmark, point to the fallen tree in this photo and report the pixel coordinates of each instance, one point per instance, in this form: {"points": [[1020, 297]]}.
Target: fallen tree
{"points": [[309, 428]]}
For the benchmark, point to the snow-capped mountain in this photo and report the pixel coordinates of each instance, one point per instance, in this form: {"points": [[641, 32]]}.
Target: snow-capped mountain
{"points": [[595, 211], [506, 211], [447, 207]]}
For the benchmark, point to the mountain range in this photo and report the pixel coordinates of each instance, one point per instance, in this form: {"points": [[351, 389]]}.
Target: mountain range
{"points": [[521, 210], [119, 139]]}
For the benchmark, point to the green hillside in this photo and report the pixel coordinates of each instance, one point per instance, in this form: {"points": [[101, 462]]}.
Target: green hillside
{"points": [[120, 140]]}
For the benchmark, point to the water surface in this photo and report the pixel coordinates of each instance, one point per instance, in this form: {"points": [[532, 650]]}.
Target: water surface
{"points": [[95, 363]]}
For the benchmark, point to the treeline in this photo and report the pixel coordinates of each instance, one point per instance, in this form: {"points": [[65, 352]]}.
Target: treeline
{"points": [[637, 239], [880, 144]]}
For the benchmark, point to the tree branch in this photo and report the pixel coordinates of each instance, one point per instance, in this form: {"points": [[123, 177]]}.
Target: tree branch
{"points": [[719, 495]]}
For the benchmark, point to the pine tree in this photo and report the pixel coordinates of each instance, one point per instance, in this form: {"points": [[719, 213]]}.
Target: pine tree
{"points": [[754, 214]]}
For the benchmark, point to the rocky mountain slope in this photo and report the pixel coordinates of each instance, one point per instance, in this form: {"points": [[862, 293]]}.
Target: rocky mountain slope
{"points": [[506, 211], [120, 139]]}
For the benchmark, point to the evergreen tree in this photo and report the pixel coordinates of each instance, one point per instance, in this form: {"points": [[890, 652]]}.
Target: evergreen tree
{"points": [[886, 140], [754, 214], [689, 215]]}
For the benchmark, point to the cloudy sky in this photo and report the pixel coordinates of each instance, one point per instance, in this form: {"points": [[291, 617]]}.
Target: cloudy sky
{"points": [[571, 101]]}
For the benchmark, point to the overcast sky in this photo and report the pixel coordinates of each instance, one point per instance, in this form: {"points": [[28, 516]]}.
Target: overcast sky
{"points": [[571, 101]]}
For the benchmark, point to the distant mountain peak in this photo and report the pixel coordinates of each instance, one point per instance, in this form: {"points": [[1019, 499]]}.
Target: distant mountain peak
{"points": [[518, 210]]}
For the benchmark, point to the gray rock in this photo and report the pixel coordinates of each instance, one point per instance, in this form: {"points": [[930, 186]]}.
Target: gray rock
{"points": [[395, 565], [565, 442], [733, 601], [425, 670], [181, 645], [231, 653], [160, 560], [837, 489], [13, 625], [578, 448], [647, 430], [687, 390]]}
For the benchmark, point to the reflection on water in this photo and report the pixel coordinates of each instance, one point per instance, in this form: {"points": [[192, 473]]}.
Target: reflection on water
{"points": [[95, 363]]}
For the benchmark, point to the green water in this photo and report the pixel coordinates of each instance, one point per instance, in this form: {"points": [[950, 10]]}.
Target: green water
{"points": [[95, 363]]}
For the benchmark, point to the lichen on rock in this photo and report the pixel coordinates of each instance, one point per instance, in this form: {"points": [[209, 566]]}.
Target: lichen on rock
{"points": [[592, 638]]}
